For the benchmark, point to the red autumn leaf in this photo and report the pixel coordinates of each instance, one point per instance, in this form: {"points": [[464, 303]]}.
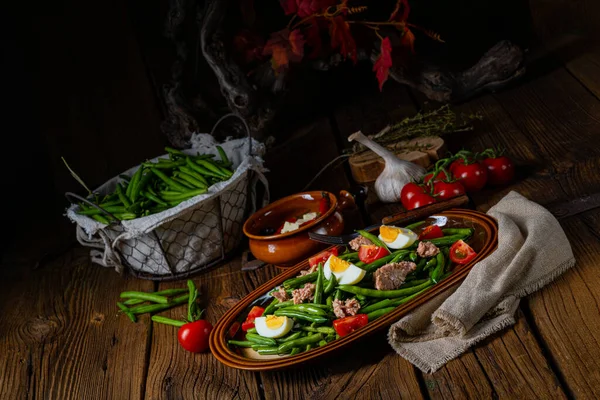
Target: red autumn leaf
{"points": [[401, 11], [313, 38], [408, 39], [305, 8], [383, 63], [341, 38], [284, 47]]}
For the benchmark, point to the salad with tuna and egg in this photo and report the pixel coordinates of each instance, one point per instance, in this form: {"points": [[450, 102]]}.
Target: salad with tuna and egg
{"points": [[346, 288]]}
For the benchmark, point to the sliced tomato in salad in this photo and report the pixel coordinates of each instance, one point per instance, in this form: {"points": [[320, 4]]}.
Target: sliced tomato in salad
{"points": [[322, 257], [431, 232], [324, 204], [461, 253], [370, 253], [254, 313], [347, 325]]}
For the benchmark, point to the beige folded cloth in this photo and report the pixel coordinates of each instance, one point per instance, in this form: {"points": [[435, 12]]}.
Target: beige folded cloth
{"points": [[532, 251]]}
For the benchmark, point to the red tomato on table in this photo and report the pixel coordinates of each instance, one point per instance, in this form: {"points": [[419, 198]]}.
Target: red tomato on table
{"points": [[418, 200], [431, 232], [193, 336], [409, 191], [322, 257], [500, 170], [370, 253], [448, 190], [472, 176], [461, 253], [344, 326]]}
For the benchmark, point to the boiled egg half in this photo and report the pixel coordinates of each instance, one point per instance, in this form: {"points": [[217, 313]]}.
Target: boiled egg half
{"points": [[273, 326], [396, 238], [345, 272]]}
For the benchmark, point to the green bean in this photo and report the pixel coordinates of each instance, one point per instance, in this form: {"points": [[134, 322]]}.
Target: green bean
{"points": [[413, 256], [154, 198], [221, 169], [374, 239], [201, 170], [252, 330], [240, 343], [385, 294], [329, 301], [446, 240], [415, 225], [171, 150], [349, 256], [127, 312], [330, 337], [193, 295], [194, 174], [406, 299], [265, 351], [167, 292], [378, 313], [114, 202], [145, 296], [223, 155], [322, 343], [318, 329], [459, 231], [430, 264], [308, 347], [170, 182], [416, 282], [338, 295], [191, 180], [299, 315], [307, 308], [124, 199], [331, 284], [167, 321], [360, 297], [253, 337], [134, 182], [318, 296], [142, 185], [102, 219], [164, 165], [293, 336], [269, 309], [151, 308], [295, 351], [399, 256], [183, 196], [420, 266], [439, 269], [376, 306], [183, 183], [211, 167], [287, 346], [284, 304], [296, 282]]}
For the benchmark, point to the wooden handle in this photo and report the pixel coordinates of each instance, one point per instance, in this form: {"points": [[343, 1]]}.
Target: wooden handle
{"points": [[419, 213]]}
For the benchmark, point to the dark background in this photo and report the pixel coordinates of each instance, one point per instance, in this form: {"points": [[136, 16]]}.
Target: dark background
{"points": [[81, 79]]}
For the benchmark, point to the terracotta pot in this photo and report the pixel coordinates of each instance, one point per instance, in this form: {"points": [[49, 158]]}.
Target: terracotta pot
{"points": [[287, 249]]}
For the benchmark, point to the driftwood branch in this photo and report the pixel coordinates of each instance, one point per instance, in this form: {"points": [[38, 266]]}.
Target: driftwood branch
{"points": [[499, 66]]}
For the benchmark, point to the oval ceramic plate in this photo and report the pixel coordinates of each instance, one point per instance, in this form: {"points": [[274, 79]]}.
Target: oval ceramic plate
{"points": [[484, 241]]}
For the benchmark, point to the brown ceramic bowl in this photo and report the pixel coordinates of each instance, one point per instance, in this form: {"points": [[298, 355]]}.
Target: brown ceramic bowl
{"points": [[287, 249], [484, 241]]}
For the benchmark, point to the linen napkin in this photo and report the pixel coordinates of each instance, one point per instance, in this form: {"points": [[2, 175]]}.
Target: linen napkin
{"points": [[532, 251]]}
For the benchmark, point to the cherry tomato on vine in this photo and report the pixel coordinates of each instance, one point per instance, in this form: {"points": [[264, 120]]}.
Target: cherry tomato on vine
{"points": [[193, 336], [409, 191], [419, 200], [440, 176], [472, 176], [500, 170], [448, 190], [461, 253]]}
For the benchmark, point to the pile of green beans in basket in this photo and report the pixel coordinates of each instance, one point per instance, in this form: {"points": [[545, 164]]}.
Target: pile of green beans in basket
{"points": [[155, 187], [314, 321]]}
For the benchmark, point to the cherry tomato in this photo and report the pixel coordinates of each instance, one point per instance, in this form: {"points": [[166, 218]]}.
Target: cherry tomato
{"points": [[419, 200], [441, 176], [344, 326], [448, 190], [368, 254], [193, 336], [255, 311], [431, 232], [472, 176], [500, 170], [322, 257], [461, 253], [408, 191]]}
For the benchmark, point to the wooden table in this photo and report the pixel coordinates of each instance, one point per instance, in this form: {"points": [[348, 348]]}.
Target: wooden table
{"points": [[60, 335]]}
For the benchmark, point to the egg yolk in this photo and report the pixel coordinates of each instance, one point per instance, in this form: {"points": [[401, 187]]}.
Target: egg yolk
{"points": [[389, 233], [274, 322], [338, 265]]}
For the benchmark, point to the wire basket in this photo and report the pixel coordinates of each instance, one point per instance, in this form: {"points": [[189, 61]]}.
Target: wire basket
{"points": [[183, 240]]}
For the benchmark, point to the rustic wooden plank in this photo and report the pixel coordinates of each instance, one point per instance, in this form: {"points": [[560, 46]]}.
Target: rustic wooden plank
{"points": [[559, 115], [61, 337], [565, 313], [586, 68], [554, 18], [370, 369], [175, 373]]}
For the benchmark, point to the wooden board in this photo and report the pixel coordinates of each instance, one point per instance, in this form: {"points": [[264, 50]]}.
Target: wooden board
{"points": [[366, 166]]}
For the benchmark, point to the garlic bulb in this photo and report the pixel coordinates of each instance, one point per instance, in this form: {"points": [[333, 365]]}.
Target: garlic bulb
{"points": [[396, 173]]}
